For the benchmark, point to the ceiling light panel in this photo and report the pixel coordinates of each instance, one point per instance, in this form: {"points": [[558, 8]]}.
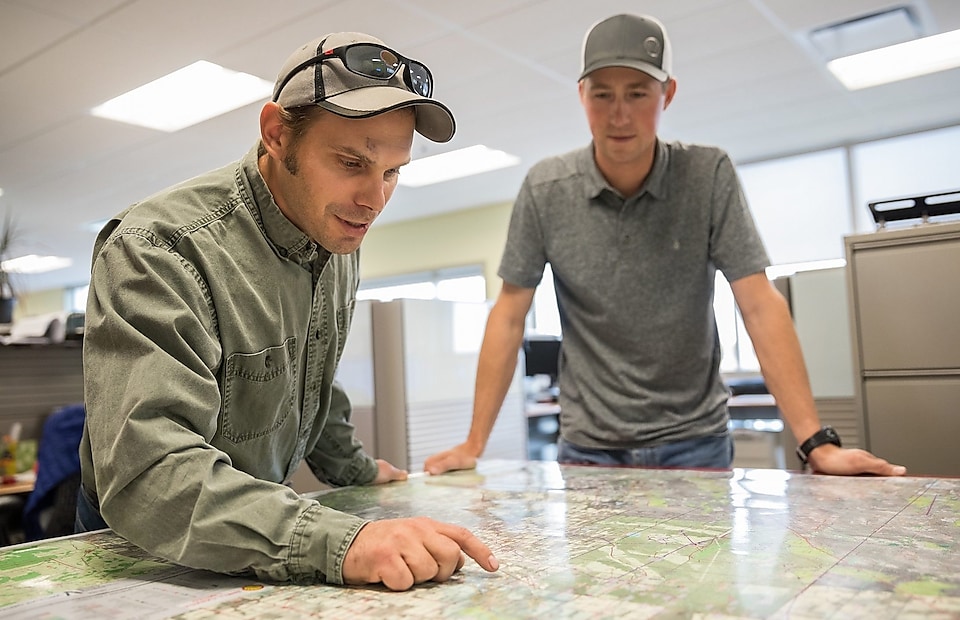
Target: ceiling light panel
{"points": [[188, 96], [898, 62], [454, 165]]}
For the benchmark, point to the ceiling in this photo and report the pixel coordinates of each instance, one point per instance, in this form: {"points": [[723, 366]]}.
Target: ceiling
{"points": [[749, 80]]}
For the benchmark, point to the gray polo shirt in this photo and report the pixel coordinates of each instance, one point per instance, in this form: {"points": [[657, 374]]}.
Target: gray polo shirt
{"points": [[634, 280], [213, 331]]}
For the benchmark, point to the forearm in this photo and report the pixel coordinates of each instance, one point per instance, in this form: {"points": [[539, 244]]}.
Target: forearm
{"points": [[495, 370], [162, 485], [781, 361], [338, 457], [194, 509], [768, 322], [164, 474]]}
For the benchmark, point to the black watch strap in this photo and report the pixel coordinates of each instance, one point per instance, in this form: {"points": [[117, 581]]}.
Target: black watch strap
{"points": [[822, 436]]}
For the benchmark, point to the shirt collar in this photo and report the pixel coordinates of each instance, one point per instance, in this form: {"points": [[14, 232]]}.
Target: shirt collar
{"points": [[655, 183], [594, 183], [289, 241]]}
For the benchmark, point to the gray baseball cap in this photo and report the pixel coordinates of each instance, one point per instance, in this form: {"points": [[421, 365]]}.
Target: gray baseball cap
{"points": [[635, 41], [313, 75]]}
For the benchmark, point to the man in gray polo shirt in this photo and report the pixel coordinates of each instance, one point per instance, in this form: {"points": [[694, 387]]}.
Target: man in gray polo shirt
{"points": [[634, 229]]}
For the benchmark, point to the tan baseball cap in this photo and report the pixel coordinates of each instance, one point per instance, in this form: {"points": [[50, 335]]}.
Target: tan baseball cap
{"points": [[316, 74]]}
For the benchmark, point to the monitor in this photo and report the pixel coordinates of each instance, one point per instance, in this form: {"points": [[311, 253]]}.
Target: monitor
{"points": [[541, 356]]}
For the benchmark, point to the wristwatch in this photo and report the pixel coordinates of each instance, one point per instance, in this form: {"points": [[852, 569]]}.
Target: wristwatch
{"points": [[822, 436]]}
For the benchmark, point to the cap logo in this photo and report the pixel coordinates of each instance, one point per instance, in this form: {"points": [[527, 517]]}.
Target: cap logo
{"points": [[652, 46]]}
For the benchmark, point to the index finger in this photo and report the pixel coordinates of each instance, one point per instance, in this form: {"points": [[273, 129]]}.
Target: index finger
{"points": [[471, 545]]}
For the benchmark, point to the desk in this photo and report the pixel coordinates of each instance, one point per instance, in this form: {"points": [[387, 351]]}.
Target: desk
{"points": [[753, 407], [574, 541], [23, 483], [543, 430], [536, 410]]}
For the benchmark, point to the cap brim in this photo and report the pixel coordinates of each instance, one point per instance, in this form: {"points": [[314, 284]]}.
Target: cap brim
{"points": [[654, 72], [434, 120]]}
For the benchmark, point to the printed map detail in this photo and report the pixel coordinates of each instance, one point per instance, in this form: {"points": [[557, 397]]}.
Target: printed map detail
{"points": [[575, 542]]}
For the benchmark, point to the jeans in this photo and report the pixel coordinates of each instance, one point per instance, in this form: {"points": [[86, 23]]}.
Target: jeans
{"points": [[710, 452], [88, 517]]}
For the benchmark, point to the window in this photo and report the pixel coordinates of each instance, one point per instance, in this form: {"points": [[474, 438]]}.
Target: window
{"points": [[914, 165], [77, 298], [737, 354], [801, 205], [545, 318], [465, 285], [454, 284]]}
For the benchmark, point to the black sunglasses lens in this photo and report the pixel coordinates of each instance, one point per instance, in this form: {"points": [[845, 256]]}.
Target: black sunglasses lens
{"points": [[420, 80], [382, 64], [372, 61]]}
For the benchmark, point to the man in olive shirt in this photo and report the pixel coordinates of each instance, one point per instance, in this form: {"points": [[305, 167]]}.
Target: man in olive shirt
{"points": [[217, 314]]}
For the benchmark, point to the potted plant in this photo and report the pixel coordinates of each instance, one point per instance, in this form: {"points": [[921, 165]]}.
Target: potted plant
{"points": [[8, 298]]}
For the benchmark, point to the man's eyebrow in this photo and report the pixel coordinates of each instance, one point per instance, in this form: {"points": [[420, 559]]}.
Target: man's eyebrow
{"points": [[362, 157], [352, 152]]}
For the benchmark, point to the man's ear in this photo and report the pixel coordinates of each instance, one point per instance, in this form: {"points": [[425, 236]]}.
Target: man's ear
{"points": [[669, 92], [272, 133]]}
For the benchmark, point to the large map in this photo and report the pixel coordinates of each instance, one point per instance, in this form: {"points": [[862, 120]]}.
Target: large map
{"points": [[573, 542]]}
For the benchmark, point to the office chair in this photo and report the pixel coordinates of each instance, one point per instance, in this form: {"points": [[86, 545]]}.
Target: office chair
{"points": [[52, 505]]}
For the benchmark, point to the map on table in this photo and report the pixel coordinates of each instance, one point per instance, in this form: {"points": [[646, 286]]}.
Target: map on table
{"points": [[573, 542]]}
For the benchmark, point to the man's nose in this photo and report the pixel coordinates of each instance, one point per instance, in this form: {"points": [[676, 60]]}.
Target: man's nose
{"points": [[373, 194]]}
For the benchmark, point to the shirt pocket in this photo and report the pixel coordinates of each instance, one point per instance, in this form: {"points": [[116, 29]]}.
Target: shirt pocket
{"points": [[259, 391]]}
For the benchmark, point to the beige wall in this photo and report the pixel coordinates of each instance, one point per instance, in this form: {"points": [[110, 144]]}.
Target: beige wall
{"points": [[468, 237], [39, 302]]}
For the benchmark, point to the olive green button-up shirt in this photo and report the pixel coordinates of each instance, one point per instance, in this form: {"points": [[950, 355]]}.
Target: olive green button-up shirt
{"points": [[213, 330]]}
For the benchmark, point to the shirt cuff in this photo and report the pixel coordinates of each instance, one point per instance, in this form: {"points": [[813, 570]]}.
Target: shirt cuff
{"points": [[320, 542]]}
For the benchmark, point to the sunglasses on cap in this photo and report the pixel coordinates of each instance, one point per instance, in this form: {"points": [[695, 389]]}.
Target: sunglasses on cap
{"points": [[372, 61]]}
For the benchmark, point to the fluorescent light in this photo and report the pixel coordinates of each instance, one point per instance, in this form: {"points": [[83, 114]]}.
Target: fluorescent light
{"points": [[455, 164], [33, 263], [898, 62], [185, 97]]}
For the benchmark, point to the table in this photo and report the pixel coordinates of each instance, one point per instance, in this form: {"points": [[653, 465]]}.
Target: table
{"points": [[543, 430], [574, 542], [753, 407], [23, 483]]}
